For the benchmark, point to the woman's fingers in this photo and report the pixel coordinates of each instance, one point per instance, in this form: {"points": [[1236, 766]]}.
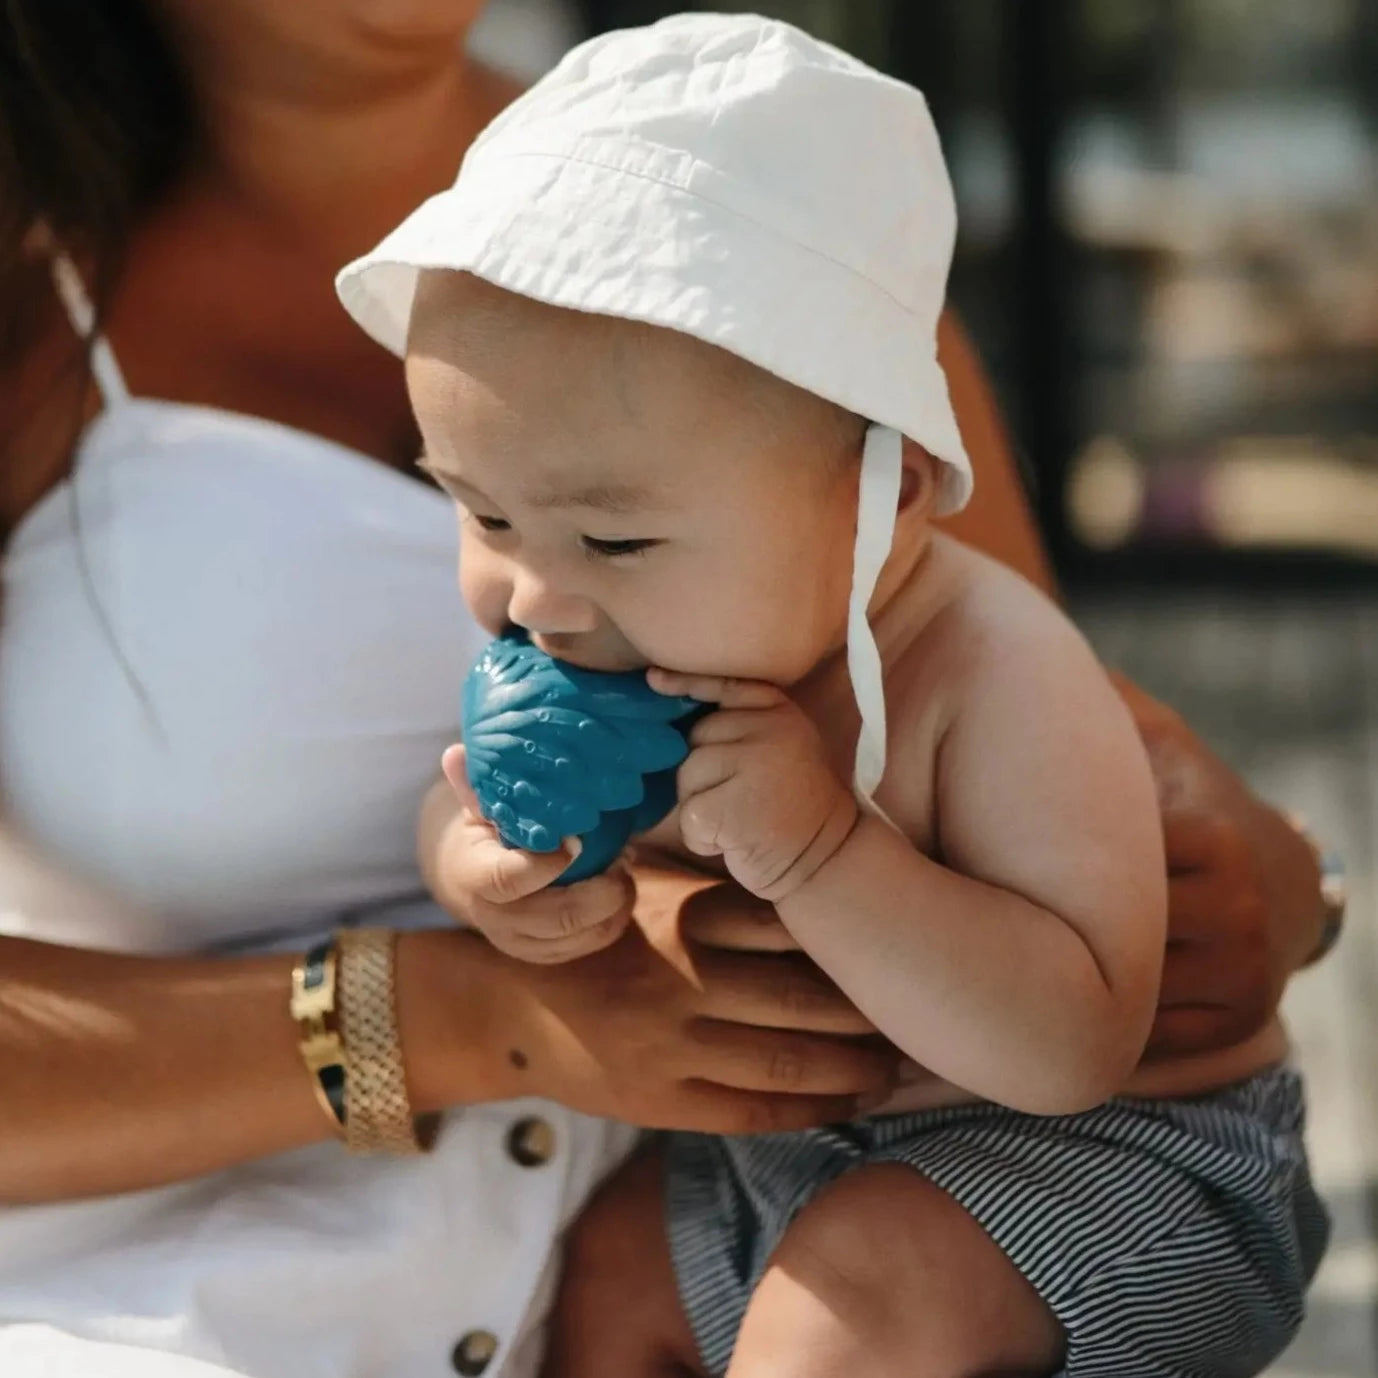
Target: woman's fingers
{"points": [[1243, 906], [1194, 975], [725, 916], [774, 992], [1181, 1030], [708, 1109], [629, 1035], [1201, 843], [796, 1064], [1207, 996], [1219, 950]]}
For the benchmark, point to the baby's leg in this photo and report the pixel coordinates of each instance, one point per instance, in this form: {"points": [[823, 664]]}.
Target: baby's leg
{"points": [[884, 1275], [881, 1274], [618, 1313]]}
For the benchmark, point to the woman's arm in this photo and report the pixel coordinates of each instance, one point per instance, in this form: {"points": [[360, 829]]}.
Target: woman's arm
{"points": [[119, 1072], [998, 519], [167, 1067], [1245, 909]]}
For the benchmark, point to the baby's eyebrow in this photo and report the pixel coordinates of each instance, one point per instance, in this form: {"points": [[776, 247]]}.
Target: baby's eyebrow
{"points": [[616, 499], [448, 482], [613, 498]]}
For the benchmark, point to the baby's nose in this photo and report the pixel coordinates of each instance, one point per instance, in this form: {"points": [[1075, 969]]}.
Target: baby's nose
{"points": [[543, 610]]}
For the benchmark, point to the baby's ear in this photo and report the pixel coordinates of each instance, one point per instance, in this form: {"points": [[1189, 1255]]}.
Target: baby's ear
{"points": [[918, 480]]}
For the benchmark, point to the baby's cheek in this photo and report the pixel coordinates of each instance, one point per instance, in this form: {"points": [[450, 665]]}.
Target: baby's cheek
{"points": [[486, 592]]}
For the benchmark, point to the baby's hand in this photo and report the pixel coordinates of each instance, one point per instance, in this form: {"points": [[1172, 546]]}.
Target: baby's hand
{"points": [[506, 893], [757, 788]]}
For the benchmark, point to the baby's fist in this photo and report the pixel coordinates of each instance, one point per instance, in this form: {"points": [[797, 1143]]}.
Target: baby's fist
{"points": [[508, 895], [757, 788]]}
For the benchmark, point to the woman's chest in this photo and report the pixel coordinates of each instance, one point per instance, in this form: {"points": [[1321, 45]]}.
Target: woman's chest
{"points": [[227, 671], [280, 347]]}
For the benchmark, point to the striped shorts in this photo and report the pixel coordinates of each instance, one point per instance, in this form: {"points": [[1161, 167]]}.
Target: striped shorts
{"points": [[1172, 1239]]}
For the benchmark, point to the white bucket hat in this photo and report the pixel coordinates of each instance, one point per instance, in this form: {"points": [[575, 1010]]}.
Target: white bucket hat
{"points": [[729, 177]]}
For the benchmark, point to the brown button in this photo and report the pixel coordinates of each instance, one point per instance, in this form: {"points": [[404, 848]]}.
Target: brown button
{"points": [[474, 1353], [531, 1142]]}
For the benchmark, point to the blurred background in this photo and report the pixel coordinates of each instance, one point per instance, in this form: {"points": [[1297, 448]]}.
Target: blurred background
{"points": [[1169, 260]]}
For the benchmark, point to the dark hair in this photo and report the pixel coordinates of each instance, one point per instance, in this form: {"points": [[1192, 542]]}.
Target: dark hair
{"points": [[96, 119]]}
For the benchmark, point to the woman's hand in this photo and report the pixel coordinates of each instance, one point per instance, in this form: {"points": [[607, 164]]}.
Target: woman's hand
{"points": [[1244, 896], [695, 1019]]}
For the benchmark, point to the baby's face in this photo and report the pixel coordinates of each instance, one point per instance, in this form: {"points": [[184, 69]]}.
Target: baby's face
{"points": [[630, 496]]}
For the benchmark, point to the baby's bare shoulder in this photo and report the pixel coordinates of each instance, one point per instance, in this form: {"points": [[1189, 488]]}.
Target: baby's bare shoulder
{"points": [[964, 619], [994, 631], [971, 616], [997, 623]]}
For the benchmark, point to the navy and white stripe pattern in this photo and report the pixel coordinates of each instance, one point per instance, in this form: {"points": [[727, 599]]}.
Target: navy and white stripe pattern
{"points": [[1172, 1239]]}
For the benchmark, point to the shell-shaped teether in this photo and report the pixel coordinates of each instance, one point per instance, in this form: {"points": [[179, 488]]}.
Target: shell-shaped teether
{"points": [[554, 751]]}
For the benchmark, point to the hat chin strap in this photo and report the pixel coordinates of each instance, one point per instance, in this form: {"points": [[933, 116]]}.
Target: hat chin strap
{"points": [[877, 510]]}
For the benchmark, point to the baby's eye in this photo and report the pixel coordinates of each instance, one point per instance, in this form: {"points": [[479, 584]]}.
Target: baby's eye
{"points": [[491, 523], [610, 550]]}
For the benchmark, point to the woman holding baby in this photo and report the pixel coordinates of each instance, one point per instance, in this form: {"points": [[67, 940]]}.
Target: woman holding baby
{"points": [[231, 651]]}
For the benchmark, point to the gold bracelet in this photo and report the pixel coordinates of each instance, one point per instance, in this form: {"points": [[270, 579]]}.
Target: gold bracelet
{"points": [[313, 1006], [378, 1113]]}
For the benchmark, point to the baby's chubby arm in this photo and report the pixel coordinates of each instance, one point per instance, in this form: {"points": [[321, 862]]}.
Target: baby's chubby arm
{"points": [[1023, 969]]}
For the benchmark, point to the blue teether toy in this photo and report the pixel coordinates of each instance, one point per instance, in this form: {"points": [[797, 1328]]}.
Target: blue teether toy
{"points": [[554, 751]]}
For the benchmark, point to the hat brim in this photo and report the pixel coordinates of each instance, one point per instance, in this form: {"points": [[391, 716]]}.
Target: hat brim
{"points": [[671, 257]]}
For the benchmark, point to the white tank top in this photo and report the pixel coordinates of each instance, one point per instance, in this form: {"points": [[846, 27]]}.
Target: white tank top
{"points": [[230, 657], [230, 712]]}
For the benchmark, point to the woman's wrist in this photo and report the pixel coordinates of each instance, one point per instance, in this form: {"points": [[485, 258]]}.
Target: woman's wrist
{"points": [[451, 1013]]}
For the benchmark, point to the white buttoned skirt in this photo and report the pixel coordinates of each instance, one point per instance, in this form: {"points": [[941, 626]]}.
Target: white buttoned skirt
{"points": [[313, 1264]]}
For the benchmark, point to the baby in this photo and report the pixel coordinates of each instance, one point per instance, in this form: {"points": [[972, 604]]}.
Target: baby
{"points": [[671, 343]]}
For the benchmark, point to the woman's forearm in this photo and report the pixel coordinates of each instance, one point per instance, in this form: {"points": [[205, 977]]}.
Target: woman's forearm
{"points": [[998, 520], [119, 1072]]}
